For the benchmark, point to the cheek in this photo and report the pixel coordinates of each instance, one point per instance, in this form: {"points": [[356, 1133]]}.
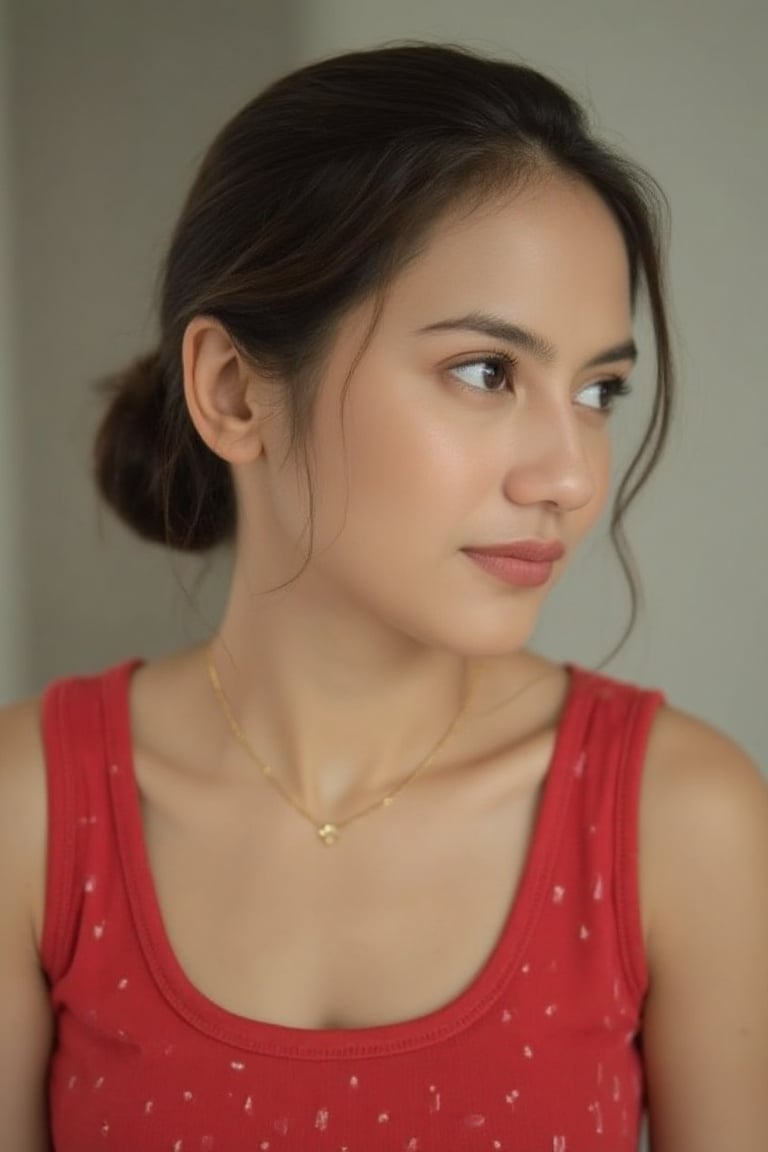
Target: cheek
{"points": [[405, 453]]}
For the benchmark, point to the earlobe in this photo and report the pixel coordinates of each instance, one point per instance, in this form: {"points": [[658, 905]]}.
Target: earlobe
{"points": [[218, 391]]}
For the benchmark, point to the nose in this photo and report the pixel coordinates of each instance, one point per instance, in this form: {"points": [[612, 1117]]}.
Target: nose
{"points": [[554, 457]]}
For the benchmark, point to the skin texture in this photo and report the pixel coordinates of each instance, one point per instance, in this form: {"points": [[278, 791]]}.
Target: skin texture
{"points": [[375, 637]]}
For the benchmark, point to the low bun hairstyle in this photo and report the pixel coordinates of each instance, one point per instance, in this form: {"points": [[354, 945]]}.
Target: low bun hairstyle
{"points": [[308, 202], [152, 467]]}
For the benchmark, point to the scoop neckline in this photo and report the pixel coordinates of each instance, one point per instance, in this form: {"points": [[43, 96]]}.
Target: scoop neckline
{"points": [[253, 1035]]}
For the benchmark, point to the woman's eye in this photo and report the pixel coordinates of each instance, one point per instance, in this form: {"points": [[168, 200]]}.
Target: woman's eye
{"points": [[489, 374], [602, 394]]}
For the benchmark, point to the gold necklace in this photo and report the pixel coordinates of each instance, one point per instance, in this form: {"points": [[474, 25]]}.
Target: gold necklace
{"points": [[328, 832]]}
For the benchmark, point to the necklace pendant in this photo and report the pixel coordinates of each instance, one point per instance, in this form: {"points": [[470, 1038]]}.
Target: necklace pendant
{"points": [[328, 833]]}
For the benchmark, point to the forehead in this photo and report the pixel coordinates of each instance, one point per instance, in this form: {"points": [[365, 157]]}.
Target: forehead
{"points": [[550, 256]]}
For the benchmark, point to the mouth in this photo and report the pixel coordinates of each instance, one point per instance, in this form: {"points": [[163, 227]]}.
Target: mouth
{"points": [[524, 563], [536, 551]]}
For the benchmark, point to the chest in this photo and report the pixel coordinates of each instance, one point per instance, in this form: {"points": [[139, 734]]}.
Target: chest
{"points": [[389, 924]]}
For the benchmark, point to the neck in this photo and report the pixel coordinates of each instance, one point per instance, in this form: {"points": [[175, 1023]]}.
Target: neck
{"points": [[339, 712]]}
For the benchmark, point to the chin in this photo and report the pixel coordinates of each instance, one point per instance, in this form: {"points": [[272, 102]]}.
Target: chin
{"points": [[497, 630], [503, 642]]}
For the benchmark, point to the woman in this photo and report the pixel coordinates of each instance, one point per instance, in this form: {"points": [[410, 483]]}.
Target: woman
{"points": [[364, 872]]}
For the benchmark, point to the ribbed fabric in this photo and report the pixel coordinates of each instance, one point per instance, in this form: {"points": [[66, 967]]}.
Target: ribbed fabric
{"points": [[540, 1053]]}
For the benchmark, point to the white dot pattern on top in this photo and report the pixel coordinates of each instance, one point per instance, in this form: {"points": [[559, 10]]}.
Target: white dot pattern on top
{"points": [[540, 1052]]}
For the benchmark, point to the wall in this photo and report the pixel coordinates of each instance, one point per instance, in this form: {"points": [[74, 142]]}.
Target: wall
{"points": [[11, 585]]}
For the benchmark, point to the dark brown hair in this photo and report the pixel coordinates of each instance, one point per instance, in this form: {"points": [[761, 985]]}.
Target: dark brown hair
{"points": [[308, 202]]}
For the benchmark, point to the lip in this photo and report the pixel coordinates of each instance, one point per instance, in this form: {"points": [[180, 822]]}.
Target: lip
{"points": [[533, 551], [521, 563]]}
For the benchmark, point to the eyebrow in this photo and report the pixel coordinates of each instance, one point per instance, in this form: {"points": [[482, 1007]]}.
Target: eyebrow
{"points": [[524, 338]]}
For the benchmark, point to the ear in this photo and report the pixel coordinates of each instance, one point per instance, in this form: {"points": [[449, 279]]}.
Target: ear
{"points": [[220, 392]]}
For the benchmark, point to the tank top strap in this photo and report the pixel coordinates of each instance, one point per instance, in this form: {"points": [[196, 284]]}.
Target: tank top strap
{"points": [[81, 834], [600, 850]]}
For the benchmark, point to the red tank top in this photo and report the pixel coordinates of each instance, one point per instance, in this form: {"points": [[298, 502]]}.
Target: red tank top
{"points": [[540, 1053]]}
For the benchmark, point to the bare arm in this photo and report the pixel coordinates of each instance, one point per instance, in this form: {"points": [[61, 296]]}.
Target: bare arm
{"points": [[25, 1015], [704, 827]]}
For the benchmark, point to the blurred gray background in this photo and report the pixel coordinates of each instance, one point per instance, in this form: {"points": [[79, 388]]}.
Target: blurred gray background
{"points": [[105, 109]]}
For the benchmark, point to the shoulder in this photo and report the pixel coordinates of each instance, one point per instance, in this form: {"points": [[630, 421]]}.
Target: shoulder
{"points": [[26, 1021], [704, 878], [22, 761], [703, 819], [695, 773], [23, 816]]}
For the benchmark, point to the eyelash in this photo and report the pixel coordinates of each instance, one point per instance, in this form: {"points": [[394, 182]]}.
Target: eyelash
{"points": [[496, 359], [615, 385]]}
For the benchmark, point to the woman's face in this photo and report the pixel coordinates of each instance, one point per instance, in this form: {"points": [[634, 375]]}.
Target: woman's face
{"points": [[455, 437]]}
